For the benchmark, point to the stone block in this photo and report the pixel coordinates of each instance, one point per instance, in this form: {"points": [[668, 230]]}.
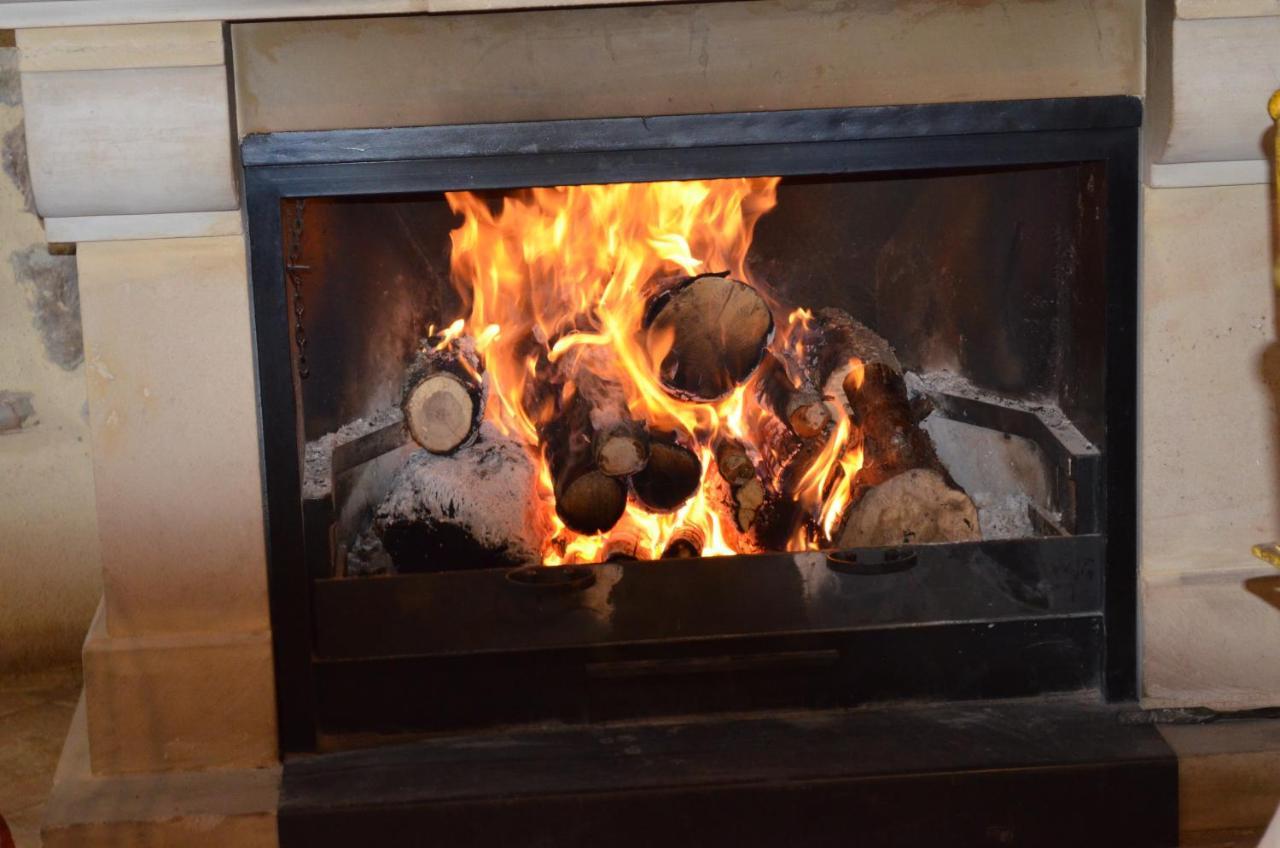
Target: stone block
{"points": [[174, 431], [209, 809], [179, 702]]}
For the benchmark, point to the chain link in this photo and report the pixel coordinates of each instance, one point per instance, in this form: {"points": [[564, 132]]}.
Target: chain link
{"points": [[293, 271]]}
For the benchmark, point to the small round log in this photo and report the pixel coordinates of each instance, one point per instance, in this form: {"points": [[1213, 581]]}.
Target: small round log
{"points": [[714, 332], [443, 399], [672, 475], [685, 543]]}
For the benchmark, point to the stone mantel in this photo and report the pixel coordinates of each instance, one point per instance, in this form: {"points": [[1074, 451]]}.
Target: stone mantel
{"points": [[21, 14]]}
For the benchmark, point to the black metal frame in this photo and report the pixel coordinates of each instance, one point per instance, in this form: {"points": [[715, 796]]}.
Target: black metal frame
{"points": [[834, 141]]}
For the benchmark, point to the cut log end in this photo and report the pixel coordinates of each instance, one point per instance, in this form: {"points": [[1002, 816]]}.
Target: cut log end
{"points": [[716, 330], [591, 503], [621, 455], [915, 507], [440, 413], [672, 476], [685, 543], [809, 419]]}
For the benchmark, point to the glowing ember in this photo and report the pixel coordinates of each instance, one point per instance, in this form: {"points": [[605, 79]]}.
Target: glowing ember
{"points": [[564, 275]]}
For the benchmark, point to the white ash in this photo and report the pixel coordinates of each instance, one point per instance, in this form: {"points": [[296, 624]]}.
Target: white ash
{"points": [[479, 505], [317, 464]]}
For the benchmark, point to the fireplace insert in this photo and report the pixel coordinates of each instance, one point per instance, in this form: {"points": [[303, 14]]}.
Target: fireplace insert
{"points": [[604, 419]]}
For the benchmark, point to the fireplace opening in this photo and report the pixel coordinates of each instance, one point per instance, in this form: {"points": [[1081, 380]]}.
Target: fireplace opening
{"points": [[645, 371], [803, 413]]}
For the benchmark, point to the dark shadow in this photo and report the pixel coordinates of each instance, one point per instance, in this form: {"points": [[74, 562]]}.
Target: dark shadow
{"points": [[1267, 588]]}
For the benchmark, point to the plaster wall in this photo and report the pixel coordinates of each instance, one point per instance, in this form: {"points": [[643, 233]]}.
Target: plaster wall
{"points": [[49, 575]]}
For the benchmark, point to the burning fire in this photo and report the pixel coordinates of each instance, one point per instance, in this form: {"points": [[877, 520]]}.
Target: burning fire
{"points": [[554, 272]]}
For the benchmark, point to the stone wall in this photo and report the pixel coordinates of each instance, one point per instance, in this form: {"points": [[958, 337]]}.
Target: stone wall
{"points": [[49, 575]]}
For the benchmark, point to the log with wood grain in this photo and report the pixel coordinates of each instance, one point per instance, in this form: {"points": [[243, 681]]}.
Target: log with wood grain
{"points": [[444, 395], [711, 332]]}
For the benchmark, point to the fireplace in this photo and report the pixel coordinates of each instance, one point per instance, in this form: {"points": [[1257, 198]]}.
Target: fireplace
{"points": [[991, 245]]}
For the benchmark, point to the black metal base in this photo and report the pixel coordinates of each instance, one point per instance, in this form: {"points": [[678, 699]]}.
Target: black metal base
{"points": [[1044, 772]]}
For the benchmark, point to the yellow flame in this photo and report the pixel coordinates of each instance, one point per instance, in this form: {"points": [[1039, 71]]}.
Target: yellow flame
{"points": [[554, 271]]}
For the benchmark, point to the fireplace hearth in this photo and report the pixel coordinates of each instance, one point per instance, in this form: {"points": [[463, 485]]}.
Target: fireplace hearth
{"points": [[991, 246]]}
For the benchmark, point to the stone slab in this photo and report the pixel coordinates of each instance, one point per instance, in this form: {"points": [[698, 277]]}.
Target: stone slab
{"points": [[1211, 639], [126, 227], [174, 703], [174, 426], [676, 59], [208, 809]]}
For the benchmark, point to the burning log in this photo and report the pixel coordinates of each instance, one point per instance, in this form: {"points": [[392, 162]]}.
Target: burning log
{"points": [[742, 493], [477, 508], [444, 397], [915, 507], [672, 475], [717, 330], [800, 407], [685, 543], [623, 544], [588, 500], [835, 341], [620, 443]]}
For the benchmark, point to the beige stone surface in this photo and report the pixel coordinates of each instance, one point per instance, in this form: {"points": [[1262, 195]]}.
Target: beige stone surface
{"points": [[1210, 476], [175, 437], [1207, 89], [1211, 639], [49, 576], [128, 140], [129, 227], [656, 60], [229, 808], [1228, 778], [179, 702], [139, 46]]}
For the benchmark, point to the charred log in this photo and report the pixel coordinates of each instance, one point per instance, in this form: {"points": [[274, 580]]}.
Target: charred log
{"points": [[620, 443], [915, 507], [799, 406], [588, 500], [444, 397], [711, 332], [477, 508], [672, 475], [685, 543]]}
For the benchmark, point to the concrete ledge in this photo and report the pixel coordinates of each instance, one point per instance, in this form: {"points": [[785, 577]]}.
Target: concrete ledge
{"points": [[140, 227], [215, 809], [176, 702]]}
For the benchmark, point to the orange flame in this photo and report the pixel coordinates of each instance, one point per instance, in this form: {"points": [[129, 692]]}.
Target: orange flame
{"points": [[555, 270]]}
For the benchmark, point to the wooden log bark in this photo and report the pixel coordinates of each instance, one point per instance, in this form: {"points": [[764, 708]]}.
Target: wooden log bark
{"points": [[588, 500], [672, 475], [800, 406], [620, 443], [476, 508], [711, 332], [685, 543], [444, 397]]}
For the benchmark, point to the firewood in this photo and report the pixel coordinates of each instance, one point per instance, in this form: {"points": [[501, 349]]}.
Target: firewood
{"points": [[476, 508], [623, 543], [588, 500], [892, 441], [672, 475], [800, 406], [620, 443], [714, 332], [444, 397], [685, 543], [743, 493], [915, 507], [835, 342]]}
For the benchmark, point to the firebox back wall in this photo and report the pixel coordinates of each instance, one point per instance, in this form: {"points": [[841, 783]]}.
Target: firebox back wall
{"points": [[995, 275]]}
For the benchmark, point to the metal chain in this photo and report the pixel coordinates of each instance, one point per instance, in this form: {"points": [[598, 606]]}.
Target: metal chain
{"points": [[293, 271]]}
